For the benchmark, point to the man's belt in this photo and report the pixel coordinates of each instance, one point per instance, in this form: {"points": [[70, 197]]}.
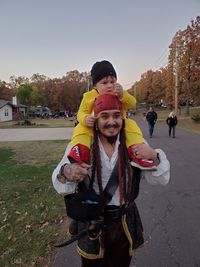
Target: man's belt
{"points": [[114, 212]]}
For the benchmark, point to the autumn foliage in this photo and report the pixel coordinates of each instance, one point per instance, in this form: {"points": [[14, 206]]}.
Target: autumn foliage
{"points": [[184, 61]]}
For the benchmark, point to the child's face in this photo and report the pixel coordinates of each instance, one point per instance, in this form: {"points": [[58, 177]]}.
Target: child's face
{"points": [[106, 85]]}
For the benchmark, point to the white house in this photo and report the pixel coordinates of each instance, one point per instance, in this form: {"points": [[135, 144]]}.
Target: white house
{"points": [[6, 109]]}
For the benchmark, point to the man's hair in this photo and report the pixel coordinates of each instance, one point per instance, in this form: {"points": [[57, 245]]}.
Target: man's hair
{"points": [[124, 168]]}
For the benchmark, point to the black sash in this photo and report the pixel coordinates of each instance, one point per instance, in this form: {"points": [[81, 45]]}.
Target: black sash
{"points": [[112, 185]]}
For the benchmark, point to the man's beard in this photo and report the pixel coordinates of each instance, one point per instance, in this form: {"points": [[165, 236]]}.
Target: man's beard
{"points": [[111, 139]]}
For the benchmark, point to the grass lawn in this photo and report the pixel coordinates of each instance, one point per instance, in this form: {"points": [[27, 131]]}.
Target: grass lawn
{"points": [[31, 210]]}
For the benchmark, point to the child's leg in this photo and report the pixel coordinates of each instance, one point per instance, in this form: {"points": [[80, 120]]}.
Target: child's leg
{"points": [[134, 136], [80, 143], [133, 133]]}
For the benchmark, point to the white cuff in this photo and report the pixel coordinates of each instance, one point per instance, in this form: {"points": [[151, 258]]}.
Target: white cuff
{"points": [[162, 174]]}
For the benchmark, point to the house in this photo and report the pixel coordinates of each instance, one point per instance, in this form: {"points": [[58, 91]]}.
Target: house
{"points": [[6, 110], [12, 110]]}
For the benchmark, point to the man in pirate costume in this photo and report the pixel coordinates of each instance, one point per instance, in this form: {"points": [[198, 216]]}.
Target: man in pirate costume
{"points": [[119, 229]]}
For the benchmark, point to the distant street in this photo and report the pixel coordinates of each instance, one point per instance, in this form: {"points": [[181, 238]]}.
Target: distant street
{"points": [[170, 215]]}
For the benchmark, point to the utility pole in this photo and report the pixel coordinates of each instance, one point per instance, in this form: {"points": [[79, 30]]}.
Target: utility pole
{"points": [[88, 85], [188, 81], [135, 94], [176, 78]]}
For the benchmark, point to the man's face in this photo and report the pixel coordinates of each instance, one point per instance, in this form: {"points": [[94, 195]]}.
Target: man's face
{"points": [[109, 123]]}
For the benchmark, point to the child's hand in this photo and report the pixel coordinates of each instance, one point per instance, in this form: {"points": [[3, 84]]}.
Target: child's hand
{"points": [[118, 90], [90, 120]]}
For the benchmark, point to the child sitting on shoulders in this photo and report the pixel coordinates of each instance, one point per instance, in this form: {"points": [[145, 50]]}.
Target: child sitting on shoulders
{"points": [[104, 80]]}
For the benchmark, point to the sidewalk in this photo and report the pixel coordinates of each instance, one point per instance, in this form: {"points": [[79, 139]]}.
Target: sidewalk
{"points": [[26, 134]]}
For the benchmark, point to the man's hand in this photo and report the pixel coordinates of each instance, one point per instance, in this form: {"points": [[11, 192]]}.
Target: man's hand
{"points": [[76, 172], [144, 151], [118, 90], [90, 120]]}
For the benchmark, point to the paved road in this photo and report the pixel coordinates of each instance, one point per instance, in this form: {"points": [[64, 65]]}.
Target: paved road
{"points": [[35, 134], [171, 214]]}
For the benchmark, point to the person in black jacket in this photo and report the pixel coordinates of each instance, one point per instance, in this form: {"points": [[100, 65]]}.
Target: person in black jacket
{"points": [[172, 122], [151, 118]]}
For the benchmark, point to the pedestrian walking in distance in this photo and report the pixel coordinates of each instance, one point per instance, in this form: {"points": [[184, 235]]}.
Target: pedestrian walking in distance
{"points": [[151, 118], [172, 121]]}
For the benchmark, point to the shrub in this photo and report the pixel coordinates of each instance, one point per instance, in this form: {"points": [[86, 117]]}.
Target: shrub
{"points": [[196, 117]]}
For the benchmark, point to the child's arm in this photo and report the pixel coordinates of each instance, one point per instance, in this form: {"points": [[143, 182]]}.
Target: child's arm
{"points": [[85, 109], [128, 101], [83, 112]]}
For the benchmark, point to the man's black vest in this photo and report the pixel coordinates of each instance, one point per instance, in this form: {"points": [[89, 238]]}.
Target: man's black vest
{"points": [[132, 225]]}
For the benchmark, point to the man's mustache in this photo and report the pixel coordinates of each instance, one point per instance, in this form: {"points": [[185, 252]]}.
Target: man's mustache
{"points": [[108, 126]]}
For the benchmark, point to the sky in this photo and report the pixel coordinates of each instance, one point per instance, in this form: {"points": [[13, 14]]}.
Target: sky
{"points": [[53, 37]]}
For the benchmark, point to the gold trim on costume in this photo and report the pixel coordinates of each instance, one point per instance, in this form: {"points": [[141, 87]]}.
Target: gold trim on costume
{"points": [[91, 256], [69, 234], [126, 230], [94, 238]]}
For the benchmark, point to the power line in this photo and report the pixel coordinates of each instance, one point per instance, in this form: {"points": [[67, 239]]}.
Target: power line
{"points": [[160, 60]]}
